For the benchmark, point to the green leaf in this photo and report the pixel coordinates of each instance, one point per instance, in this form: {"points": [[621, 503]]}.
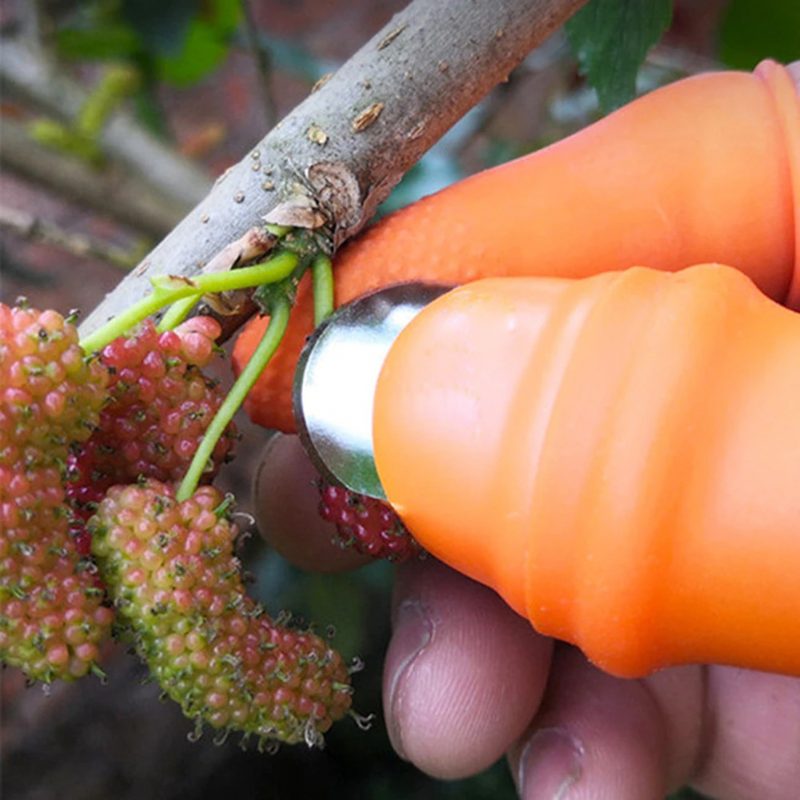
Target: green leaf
{"points": [[224, 15], [206, 43], [611, 38], [752, 30], [106, 41], [203, 50]]}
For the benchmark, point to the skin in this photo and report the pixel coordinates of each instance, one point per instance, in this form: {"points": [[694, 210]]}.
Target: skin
{"points": [[467, 681]]}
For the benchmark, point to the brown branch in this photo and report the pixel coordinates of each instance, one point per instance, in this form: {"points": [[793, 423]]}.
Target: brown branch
{"points": [[109, 190], [427, 68]]}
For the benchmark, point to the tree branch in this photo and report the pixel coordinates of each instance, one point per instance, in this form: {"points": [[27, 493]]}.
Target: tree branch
{"points": [[30, 77], [35, 229], [108, 191], [423, 72]]}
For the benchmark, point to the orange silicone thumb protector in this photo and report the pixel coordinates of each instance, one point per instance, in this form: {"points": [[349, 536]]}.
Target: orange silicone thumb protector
{"points": [[617, 456], [705, 169]]}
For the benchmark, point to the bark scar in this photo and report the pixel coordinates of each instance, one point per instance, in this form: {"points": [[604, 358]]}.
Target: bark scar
{"points": [[339, 195]]}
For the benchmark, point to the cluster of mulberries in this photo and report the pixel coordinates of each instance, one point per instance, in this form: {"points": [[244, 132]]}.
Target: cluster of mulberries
{"points": [[160, 406], [176, 583], [365, 524], [90, 451], [52, 619], [51, 395]]}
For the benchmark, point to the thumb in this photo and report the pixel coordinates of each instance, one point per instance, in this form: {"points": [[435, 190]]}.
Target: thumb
{"points": [[286, 498]]}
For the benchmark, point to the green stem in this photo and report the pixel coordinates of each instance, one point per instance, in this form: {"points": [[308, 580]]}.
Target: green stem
{"points": [[167, 290], [132, 316], [322, 280], [279, 318], [274, 269], [177, 313], [115, 85], [278, 230], [179, 310]]}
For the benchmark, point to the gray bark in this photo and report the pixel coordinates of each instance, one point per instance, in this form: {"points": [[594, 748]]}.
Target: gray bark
{"points": [[416, 77]]}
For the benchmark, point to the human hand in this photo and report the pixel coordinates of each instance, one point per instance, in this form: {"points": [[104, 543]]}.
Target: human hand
{"points": [[466, 680]]}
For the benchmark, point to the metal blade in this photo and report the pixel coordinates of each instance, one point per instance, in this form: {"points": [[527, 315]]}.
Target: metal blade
{"points": [[336, 377]]}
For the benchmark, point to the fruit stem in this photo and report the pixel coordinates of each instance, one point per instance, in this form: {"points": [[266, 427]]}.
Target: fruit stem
{"points": [[180, 309], [279, 318], [274, 269], [177, 313], [132, 316], [167, 289], [322, 280]]}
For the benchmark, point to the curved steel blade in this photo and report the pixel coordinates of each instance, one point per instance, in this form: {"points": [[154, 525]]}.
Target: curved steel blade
{"points": [[336, 377]]}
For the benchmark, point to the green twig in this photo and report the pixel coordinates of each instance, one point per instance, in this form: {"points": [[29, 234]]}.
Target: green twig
{"points": [[81, 137], [167, 290], [279, 318], [117, 83], [322, 281], [131, 317], [278, 230], [274, 269], [179, 310], [177, 313]]}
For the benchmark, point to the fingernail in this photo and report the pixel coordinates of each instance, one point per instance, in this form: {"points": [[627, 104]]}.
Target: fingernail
{"points": [[794, 74], [413, 631], [550, 765]]}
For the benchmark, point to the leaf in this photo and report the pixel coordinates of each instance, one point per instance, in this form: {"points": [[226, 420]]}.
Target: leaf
{"points": [[611, 38], [202, 52], [103, 42], [225, 15], [752, 30], [206, 43]]}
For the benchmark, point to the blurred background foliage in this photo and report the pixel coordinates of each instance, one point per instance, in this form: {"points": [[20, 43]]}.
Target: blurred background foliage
{"points": [[210, 77]]}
